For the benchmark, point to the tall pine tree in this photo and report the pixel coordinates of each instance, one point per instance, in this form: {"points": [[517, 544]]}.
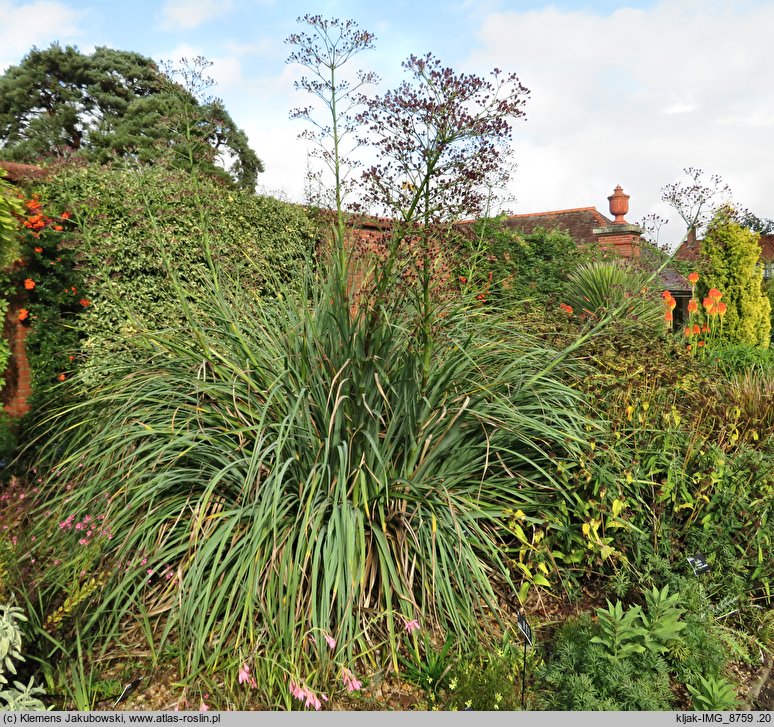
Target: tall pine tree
{"points": [[115, 103]]}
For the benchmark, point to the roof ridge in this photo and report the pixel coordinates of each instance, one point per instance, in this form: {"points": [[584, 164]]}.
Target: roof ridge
{"points": [[556, 212]]}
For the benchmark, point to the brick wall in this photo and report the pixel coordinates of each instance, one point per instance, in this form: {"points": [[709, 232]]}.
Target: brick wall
{"points": [[18, 378]]}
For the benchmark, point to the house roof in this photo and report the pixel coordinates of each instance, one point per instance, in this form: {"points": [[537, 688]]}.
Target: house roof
{"points": [[691, 247], [767, 248], [580, 222], [673, 281], [16, 172]]}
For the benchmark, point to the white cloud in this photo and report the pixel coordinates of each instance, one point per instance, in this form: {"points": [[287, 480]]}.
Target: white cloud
{"points": [[679, 106], [634, 96], [37, 23], [189, 14]]}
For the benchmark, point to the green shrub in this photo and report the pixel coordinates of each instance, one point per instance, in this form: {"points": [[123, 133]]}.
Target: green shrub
{"points": [[527, 269], [738, 358], [488, 679], [580, 675], [730, 257], [600, 287], [18, 697], [7, 441], [139, 228]]}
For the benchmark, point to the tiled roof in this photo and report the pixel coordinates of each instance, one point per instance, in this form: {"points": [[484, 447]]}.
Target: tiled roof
{"points": [[579, 223], [689, 250], [767, 248], [673, 281], [16, 172]]}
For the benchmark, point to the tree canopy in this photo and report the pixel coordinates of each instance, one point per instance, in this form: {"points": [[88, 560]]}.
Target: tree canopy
{"points": [[114, 103]]}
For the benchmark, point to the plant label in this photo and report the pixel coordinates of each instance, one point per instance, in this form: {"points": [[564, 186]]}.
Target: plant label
{"points": [[521, 622], [698, 563]]}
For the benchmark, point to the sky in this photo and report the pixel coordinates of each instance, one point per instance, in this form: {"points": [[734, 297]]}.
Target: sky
{"points": [[627, 93]]}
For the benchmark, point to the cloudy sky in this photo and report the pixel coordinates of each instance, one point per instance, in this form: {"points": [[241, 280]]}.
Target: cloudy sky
{"points": [[623, 93]]}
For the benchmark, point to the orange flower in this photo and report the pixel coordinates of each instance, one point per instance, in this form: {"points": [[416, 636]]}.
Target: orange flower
{"points": [[709, 306], [58, 228], [668, 316], [700, 343], [463, 279], [74, 289], [566, 308], [33, 205], [29, 283], [38, 250], [66, 215], [23, 314], [481, 297], [687, 331], [696, 329], [715, 294], [693, 278], [693, 306], [666, 295], [61, 377], [71, 357], [722, 308], [85, 303], [688, 347], [671, 303], [705, 328]]}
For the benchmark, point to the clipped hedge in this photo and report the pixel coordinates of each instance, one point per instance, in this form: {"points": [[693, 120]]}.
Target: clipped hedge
{"points": [[135, 226]]}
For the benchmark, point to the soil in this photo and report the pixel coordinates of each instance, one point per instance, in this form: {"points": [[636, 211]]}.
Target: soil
{"points": [[761, 694]]}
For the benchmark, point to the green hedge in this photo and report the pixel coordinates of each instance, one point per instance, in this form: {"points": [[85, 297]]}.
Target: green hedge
{"points": [[134, 226]]}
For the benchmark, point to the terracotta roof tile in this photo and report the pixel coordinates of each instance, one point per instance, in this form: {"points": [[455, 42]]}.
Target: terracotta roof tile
{"points": [[767, 248], [579, 223], [16, 172], [690, 249]]}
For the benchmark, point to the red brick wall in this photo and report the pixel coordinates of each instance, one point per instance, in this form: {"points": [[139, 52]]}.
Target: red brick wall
{"points": [[626, 245], [18, 378]]}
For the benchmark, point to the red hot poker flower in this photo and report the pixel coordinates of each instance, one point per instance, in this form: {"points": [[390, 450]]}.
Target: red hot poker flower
{"points": [[715, 294], [693, 278], [566, 308]]}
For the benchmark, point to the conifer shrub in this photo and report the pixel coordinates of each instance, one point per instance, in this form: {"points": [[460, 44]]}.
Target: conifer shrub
{"points": [[729, 256]]}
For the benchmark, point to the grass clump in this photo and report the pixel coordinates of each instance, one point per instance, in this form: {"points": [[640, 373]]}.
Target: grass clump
{"points": [[278, 472]]}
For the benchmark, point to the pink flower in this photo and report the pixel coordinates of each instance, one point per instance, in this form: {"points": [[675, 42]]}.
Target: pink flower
{"points": [[330, 641], [410, 626], [244, 674], [306, 695], [350, 682], [295, 690]]}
